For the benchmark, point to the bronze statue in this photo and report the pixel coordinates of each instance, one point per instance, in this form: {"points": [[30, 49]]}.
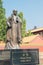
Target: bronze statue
{"points": [[13, 31]]}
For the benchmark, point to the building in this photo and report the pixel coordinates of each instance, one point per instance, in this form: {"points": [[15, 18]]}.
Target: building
{"points": [[37, 31], [30, 42], [34, 42]]}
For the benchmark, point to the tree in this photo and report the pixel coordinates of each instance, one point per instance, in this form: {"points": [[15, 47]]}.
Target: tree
{"points": [[23, 24], [2, 22]]}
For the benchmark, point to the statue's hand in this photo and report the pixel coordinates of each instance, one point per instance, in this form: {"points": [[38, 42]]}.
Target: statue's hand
{"points": [[8, 24]]}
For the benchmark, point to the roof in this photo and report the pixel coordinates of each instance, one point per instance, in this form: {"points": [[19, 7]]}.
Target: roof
{"points": [[35, 41], [30, 38], [35, 30]]}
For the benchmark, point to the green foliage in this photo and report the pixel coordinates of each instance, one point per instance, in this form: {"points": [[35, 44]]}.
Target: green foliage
{"points": [[23, 24], [2, 22], [0, 3], [21, 15], [29, 33]]}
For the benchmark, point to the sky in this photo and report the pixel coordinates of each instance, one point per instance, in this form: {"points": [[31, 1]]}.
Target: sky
{"points": [[32, 10]]}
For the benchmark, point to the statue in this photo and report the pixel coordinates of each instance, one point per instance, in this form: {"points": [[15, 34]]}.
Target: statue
{"points": [[13, 31]]}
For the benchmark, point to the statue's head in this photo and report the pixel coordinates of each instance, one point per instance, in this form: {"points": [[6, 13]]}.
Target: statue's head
{"points": [[15, 12]]}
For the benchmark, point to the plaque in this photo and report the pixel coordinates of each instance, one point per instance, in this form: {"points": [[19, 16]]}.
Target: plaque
{"points": [[19, 57], [25, 57]]}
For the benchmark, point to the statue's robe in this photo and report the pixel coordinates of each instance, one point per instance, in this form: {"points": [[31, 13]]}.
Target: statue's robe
{"points": [[19, 25], [14, 33], [16, 30]]}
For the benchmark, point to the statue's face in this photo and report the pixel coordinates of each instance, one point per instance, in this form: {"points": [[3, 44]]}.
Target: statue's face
{"points": [[15, 12]]}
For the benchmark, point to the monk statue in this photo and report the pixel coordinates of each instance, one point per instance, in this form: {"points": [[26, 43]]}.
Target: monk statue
{"points": [[13, 31]]}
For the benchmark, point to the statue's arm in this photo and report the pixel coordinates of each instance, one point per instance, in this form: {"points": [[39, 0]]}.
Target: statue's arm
{"points": [[8, 24], [18, 19]]}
